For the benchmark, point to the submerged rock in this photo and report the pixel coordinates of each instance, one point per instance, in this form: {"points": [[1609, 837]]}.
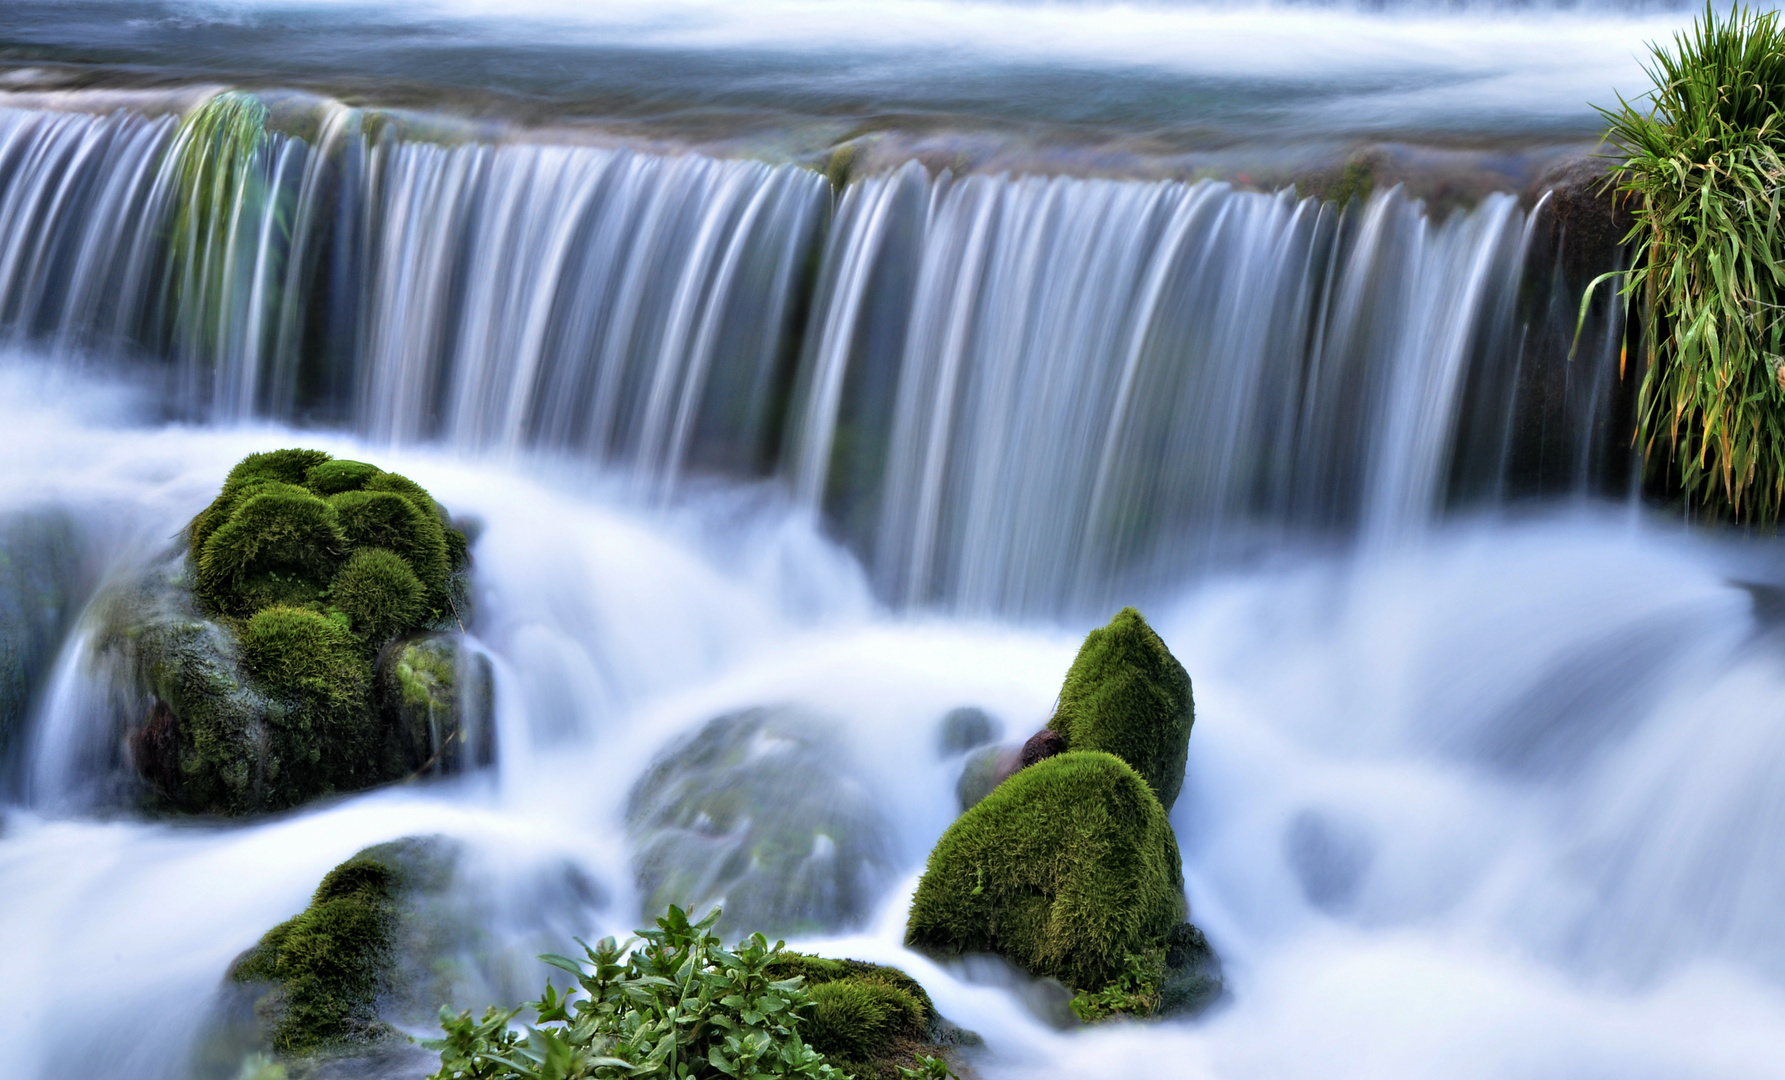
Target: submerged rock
{"points": [[759, 810], [984, 770], [254, 648], [965, 728], [40, 587]]}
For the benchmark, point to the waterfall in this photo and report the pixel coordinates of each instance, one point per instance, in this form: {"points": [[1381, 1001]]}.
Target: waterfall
{"points": [[1006, 394], [1018, 386]]}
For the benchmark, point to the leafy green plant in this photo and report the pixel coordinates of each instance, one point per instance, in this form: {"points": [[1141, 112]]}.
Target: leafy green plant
{"points": [[677, 1006], [1701, 168], [1135, 993]]}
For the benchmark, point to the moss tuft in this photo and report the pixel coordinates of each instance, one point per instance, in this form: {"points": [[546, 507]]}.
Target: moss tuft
{"points": [[383, 519], [867, 1019], [302, 651], [1127, 695], [381, 595], [1066, 868], [336, 475], [853, 1021], [277, 530], [286, 466]]}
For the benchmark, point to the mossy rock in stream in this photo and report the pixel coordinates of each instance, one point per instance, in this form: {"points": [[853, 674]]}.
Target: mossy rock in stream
{"points": [[1066, 869], [1127, 695], [389, 935], [257, 655], [868, 1020]]}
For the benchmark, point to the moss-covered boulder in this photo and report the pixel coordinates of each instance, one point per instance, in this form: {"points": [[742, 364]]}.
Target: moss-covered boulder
{"points": [[257, 648], [759, 811], [1066, 869], [323, 994], [1127, 695], [868, 1020], [326, 967]]}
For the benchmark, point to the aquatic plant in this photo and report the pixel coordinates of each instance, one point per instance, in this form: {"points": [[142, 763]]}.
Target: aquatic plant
{"points": [[1126, 694], [676, 1005], [1065, 868], [216, 160], [1701, 168]]}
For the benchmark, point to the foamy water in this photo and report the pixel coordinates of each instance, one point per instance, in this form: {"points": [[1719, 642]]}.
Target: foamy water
{"points": [[1500, 804]]}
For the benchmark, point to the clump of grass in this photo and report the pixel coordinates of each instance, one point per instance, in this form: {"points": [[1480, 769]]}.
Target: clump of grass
{"points": [[1701, 167]]}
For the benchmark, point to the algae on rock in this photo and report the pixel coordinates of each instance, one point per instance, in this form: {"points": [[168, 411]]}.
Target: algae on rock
{"points": [[1126, 694], [1066, 868]]}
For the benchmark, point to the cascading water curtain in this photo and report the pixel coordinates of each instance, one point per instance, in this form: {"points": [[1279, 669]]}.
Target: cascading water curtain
{"points": [[1017, 390], [631, 307], [80, 206], [1007, 395]]}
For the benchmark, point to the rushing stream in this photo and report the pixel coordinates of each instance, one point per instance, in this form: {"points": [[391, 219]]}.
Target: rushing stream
{"points": [[1481, 785]]}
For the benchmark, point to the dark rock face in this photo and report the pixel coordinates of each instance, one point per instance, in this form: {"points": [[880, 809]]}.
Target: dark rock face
{"points": [[1192, 979], [1042, 745], [41, 587], [759, 810], [437, 697], [1548, 413]]}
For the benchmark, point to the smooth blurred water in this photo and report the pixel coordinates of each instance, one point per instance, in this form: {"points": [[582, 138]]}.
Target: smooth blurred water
{"points": [[1131, 77], [1502, 803]]}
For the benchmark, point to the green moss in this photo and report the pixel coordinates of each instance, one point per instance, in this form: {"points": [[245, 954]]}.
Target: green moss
{"points": [[383, 519], [312, 575], [277, 529], [854, 1021], [302, 651], [286, 466], [457, 549], [1127, 695], [1066, 868], [380, 593], [330, 963], [867, 1019], [336, 475]]}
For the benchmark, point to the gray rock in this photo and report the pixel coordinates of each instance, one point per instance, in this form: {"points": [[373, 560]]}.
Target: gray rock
{"points": [[965, 728], [759, 810]]}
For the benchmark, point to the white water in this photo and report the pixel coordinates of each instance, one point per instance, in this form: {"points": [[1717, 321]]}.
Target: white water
{"points": [[1501, 804]]}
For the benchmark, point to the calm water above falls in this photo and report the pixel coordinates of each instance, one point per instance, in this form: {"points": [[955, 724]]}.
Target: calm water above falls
{"points": [[1480, 786]]}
